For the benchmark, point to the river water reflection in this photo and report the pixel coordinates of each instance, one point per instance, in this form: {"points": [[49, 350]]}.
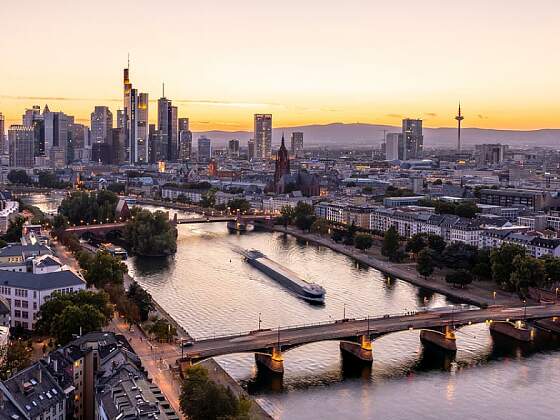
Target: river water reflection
{"points": [[208, 288]]}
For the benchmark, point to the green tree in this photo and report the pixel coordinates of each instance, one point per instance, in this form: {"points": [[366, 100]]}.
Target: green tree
{"points": [[337, 235], [466, 209], [14, 356], [458, 255], [501, 259], [460, 278], [19, 176], [203, 399], [150, 234], [82, 207], [363, 241], [526, 272], [239, 205], [116, 187], [552, 269], [162, 330], [15, 229], [104, 269], [304, 215], [209, 199], [76, 320], [425, 263], [48, 179], [482, 268], [390, 247], [64, 313], [287, 215], [142, 299], [416, 243], [436, 243], [320, 226]]}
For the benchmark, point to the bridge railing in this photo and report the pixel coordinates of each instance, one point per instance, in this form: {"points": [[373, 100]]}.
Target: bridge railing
{"points": [[305, 325]]}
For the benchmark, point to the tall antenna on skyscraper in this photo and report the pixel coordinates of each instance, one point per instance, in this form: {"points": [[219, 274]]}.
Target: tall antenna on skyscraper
{"points": [[163, 90], [128, 61], [459, 118]]}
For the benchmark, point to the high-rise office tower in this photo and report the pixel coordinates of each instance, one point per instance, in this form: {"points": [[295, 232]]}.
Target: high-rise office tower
{"points": [[185, 140], [173, 145], [204, 149], [33, 118], [167, 124], [297, 144], [3, 147], [394, 147], [77, 137], [56, 137], [21, 141], [101, 125], [134, 121], [118, 151], [157, 147], [412, 138], [120, 118], [263, 136], [251, 149], [142, 129], [233, 148]]}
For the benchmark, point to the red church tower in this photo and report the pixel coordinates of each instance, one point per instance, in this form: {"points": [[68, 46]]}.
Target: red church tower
{"points": [[282, 166]]}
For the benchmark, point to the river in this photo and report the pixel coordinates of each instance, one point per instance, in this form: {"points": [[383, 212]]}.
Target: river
{"points": [[209, 290]]}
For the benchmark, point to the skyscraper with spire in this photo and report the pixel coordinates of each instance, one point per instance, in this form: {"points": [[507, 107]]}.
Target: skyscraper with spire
{"points": [[168, 126], [135, 120], [459, 117]]}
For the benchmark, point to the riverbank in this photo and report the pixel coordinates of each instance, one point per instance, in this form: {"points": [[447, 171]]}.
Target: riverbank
{"points": [[218, 374], [475, 294]]}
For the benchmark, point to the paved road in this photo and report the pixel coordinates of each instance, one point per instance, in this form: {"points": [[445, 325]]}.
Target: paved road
{"points": [[339, 330]]}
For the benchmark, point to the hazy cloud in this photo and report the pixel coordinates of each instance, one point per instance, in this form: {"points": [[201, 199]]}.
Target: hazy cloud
{"points": [[394, 115], [55, 98], [482, 117], [212, 102], [430, 114]]}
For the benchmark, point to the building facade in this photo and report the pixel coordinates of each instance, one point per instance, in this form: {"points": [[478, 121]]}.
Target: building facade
{"points": [[263, 136], [413, 139]]}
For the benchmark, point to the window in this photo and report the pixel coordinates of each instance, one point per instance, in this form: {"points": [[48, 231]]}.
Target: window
{"points": [[24, 304], [35, 306], [25, 314], [17, 303], [17, 313]]}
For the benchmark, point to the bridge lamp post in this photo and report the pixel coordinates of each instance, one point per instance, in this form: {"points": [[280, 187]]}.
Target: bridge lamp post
{"points": [[260, 321], [525, 309], [344, 311], [556, 291], [494, 296]]}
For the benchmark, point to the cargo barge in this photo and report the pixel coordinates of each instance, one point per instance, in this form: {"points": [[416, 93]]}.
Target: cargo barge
{"points": [[307, 291]]}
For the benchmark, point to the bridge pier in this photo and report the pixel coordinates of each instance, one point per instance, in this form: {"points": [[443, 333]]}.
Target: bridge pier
{"points": [[361, 350], [273, 362], [443, 340], [517, 330]]}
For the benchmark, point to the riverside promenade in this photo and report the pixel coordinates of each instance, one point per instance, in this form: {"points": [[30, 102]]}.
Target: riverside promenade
{"points": [[476, 294]]}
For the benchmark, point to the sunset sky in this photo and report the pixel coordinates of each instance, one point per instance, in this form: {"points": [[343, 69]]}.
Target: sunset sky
{"points": [[305, 61]]}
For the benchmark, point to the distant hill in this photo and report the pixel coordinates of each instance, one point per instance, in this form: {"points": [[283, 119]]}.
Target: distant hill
{"points": [[369, 135]]}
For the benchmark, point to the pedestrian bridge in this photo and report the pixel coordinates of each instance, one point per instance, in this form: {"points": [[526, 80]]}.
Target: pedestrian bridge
{"points": [[356, 335]]}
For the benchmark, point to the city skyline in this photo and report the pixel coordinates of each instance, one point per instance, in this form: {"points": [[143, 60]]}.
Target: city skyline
{"points": [[350, 64]]}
